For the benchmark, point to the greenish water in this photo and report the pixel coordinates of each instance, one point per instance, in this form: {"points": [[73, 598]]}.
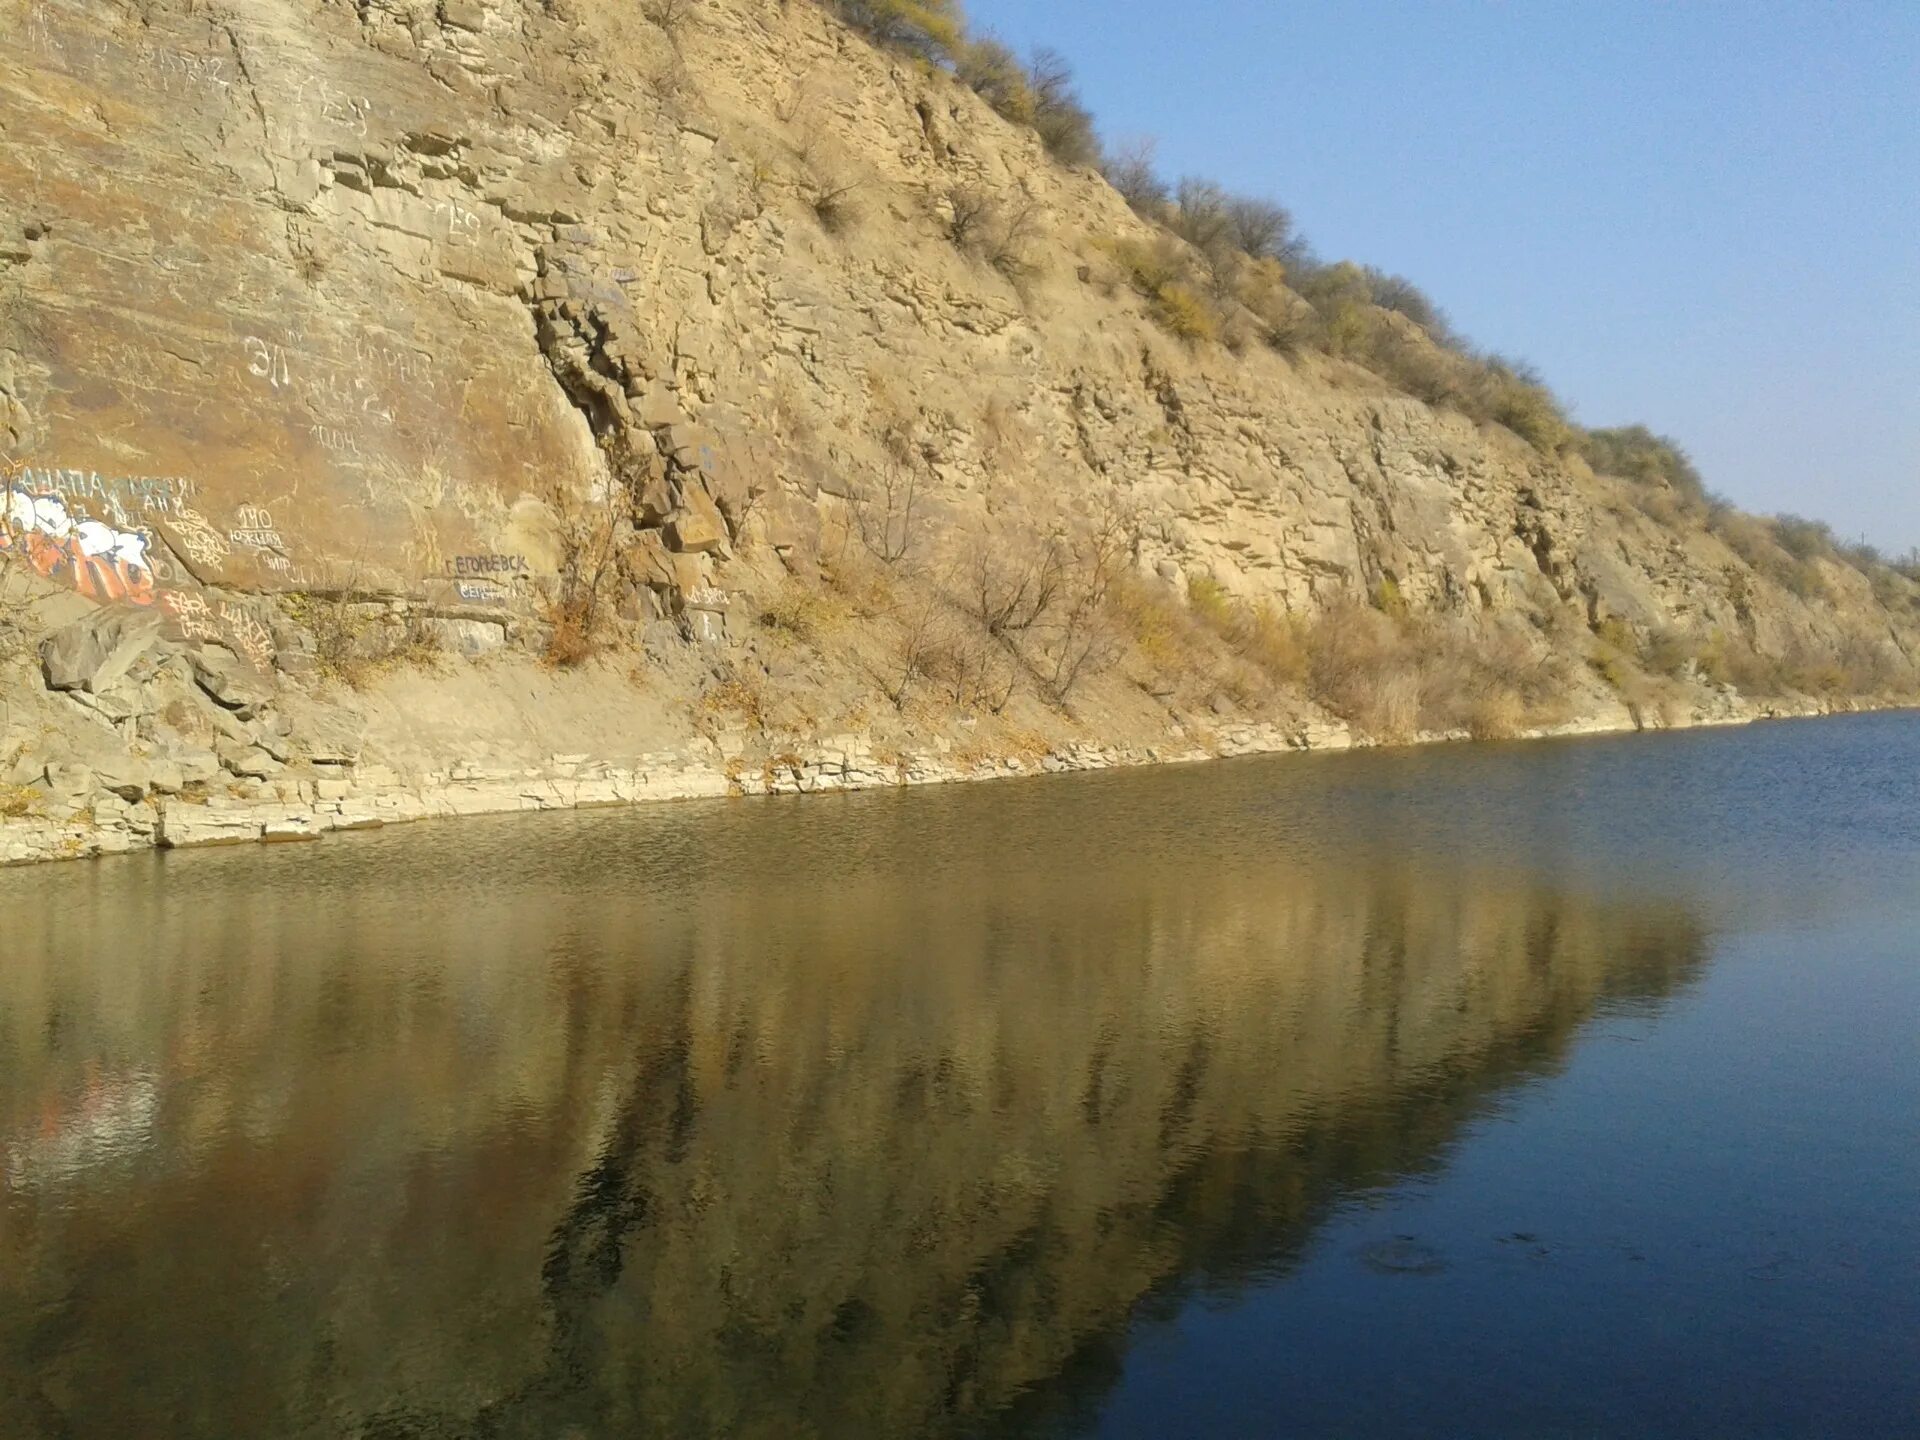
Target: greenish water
{"points": [[1563, 1089]]}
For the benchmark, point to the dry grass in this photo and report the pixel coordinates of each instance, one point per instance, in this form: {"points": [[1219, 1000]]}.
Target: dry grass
{"points": [[354, 644], [1388, 673], [802, 615], [1160, 632], [863, 584], [18, 801], [733, 701]]}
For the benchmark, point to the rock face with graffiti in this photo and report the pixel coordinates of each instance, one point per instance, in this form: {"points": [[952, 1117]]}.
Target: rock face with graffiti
{"points": [[98, 560], [484, 329]]}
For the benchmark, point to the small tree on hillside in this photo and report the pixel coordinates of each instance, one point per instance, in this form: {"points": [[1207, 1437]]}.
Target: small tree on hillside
{"points": [[930, 28], [1130, 170]]}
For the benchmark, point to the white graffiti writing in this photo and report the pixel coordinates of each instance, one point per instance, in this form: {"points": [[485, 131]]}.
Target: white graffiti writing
{"points": [[489, 564], [350, 112], [231, 625], [100, 561], [392, 363], [332, 437], [40, 35], [197, 536], [255, 530], [117, 494], [462, 225], [177, 71], [268, 362]]}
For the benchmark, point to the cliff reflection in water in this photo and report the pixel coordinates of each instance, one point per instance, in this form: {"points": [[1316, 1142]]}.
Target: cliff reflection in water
{"points": [[879, 1121]]}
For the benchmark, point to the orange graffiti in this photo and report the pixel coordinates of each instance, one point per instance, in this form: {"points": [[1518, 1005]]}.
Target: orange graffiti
{"points": [[100, 562], [97, 577]]}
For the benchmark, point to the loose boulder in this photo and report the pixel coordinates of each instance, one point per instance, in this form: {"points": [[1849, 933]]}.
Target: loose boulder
{"points": [[95, 652], [228, 681]]}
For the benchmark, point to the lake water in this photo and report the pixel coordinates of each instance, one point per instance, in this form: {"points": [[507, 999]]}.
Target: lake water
{"points": [[1556, 1089]]}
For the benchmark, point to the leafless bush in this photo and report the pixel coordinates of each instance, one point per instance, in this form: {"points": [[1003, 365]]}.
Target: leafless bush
{"points": [[970, 208], [1009, 237], [884, 514], [1047, 600], [970, 670], [668, 15], [1201, 216], [1013, 585], [1130, 170], [834, 207], [984, 228], [1085, 640], [589, 537], [1261, 229], [1064, 125], [918, 639]]}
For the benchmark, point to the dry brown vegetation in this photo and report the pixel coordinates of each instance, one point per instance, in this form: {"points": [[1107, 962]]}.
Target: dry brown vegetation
{"points": [[356, 641], [577, 605], [1234, 269], [1393, 675]]}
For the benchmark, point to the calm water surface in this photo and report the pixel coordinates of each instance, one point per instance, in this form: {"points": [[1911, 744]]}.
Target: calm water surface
{"points": [[1563, 1089]]}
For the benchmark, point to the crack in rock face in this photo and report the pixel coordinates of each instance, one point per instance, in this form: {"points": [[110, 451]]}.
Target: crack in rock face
{"points": [[492, 329]]}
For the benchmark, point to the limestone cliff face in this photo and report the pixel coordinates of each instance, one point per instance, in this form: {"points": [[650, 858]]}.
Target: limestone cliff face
{"points": [[391, 299]]}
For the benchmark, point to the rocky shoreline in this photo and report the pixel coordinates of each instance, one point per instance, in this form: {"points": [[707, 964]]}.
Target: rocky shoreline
{"points": [[139, 806]]}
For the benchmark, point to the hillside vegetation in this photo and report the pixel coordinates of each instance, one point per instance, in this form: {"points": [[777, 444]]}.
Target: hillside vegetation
{"points": [[1235, 269], [767, 396]]}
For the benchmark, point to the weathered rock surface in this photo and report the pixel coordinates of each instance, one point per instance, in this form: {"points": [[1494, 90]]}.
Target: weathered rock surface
{"points": [[96, 652], [411, 305]]}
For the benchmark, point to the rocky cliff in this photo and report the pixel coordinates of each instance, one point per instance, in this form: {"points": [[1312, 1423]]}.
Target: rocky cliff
{"points": [[478, 403]]}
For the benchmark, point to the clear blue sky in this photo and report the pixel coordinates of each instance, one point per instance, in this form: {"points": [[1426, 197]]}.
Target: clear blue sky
{"points": [[1698, 215]]}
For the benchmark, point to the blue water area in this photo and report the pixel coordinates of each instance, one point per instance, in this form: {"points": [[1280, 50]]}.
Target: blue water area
{"points": [[1557, 1089]]}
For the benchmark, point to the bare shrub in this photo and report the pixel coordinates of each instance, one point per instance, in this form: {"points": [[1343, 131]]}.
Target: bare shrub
{"points": [[995, 74], [1400, 295], [1130, 170], [1064, 125], [884, 514], [1009, 238], [969, 669], [1201, 216], [919, 640], [983, 228], [1084, 641], [931, 29], [668, 15], [1012, 585], [589, 538], [1261, 229], [969, 209], [834, 206]]}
